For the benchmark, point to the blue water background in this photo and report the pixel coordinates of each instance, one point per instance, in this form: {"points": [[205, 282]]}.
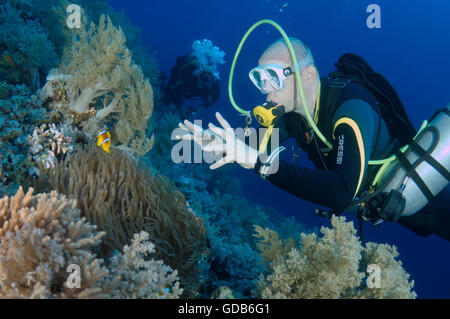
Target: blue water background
{"points": [[412, 49]]}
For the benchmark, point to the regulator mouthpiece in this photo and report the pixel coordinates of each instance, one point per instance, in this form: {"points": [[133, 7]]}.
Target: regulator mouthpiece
{"points": [[267, 113]]}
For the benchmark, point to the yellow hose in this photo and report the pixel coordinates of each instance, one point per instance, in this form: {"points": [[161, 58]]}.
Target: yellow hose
{"points": [[385, 162]]}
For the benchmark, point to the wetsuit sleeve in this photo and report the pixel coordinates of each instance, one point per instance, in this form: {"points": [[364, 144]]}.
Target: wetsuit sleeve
{"points": [[353, 133]]}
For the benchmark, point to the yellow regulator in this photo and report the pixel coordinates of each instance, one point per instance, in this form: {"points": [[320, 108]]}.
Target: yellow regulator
{"points": [[267, 113]]}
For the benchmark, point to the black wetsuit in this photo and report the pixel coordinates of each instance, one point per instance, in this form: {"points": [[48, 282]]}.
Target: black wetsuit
{"points": [[185, 84], [341, 173]]}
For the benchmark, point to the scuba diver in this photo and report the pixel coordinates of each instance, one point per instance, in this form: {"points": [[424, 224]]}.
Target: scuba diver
{"points": [[194, 76], [366, 168]]}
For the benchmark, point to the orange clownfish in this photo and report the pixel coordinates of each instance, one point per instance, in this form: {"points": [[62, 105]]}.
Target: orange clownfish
{"points": [[104, 140]]}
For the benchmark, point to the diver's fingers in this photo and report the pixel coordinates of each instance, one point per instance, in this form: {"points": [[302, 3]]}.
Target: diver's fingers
{"points": [[189, 130], [185, 130], [187, 123], [216, 148], [218, 131], [185, 137], [197, 131], [182, 126], [208, 134], [192, 127], [222, 121], [221, 162]]}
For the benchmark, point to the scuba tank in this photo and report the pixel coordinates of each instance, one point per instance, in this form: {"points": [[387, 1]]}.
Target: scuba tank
{"points": [[406, 181], [422, 170], [409, 179]]}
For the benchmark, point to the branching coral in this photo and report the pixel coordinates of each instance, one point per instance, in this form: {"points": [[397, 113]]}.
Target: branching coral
{"points": [[394, 281], [99, 65], [332, 266], [43, 239], [40, 236], [122, 199], [134, 276]]}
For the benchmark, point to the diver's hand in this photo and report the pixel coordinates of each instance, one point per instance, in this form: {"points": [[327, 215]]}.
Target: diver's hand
{"points": [[195, 133], [231, 148]]}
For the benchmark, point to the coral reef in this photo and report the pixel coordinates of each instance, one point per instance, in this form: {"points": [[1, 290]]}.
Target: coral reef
{"points": [[33, 37], [51, 15], [42, 236], [121, 199], [117, 90], [20, 113], [234, 260], [134, 276], [25, 50], [394, 281], [47, 143], [332, 266]]}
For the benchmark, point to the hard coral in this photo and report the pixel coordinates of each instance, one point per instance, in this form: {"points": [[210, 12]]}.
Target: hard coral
{"points": [[122, 199], [332, 266], [134, 276], [40, 235], [394, 281], [43, 240]]}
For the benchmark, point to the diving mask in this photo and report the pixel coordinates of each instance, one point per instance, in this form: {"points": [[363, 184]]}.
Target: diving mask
{"points": [[269, 77]]}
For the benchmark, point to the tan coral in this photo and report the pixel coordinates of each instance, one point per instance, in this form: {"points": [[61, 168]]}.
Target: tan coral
{"points": [[222, 292], [332, 266], [394, 280], [40, 236], [122, 200], [135, 275], [44, 241], [99, 65]]}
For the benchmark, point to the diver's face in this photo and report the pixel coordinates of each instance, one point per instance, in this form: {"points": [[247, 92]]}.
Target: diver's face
{"points": [[284, 96], [279, 54]]}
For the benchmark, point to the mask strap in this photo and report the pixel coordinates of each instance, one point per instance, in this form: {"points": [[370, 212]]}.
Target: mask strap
{"points": [[296, 68]]}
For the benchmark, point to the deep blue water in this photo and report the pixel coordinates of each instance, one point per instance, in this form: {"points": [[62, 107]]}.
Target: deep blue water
{"points": [[412, 49]]}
